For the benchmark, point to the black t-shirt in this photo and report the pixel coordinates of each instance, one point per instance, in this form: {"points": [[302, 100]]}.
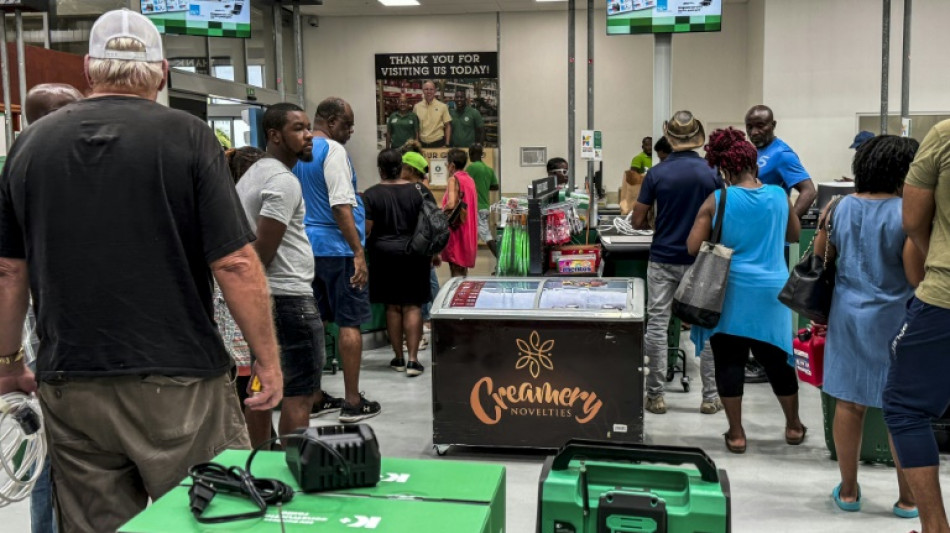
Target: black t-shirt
{"points": [[118, 205], [394, 210]]}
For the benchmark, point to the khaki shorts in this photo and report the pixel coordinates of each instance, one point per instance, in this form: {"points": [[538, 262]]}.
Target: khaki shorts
{"points": [[117, 442]]}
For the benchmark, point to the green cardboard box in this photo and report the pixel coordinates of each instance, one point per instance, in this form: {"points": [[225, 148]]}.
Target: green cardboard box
{"points": [[444, 487], [437, 480], [314, 512]]}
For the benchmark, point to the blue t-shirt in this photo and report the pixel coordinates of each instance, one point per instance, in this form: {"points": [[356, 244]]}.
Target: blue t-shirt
{"points": [[330, 164], [679, 186], [779, 165]]}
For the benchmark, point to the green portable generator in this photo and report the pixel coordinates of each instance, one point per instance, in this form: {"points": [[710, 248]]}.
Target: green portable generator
{"points": [[611, 487]]}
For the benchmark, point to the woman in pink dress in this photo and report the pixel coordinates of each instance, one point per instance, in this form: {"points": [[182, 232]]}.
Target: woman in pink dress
{"points": [[463, 241]]}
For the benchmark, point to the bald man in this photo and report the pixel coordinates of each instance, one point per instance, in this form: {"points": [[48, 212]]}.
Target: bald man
{"points": [[778, 163], [45, 98], [435, 122]]}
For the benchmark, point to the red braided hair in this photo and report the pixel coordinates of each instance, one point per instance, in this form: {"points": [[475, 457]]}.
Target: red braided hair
{"points": [[729, 151]]}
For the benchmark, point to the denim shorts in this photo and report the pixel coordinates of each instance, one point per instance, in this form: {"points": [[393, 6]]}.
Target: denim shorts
{"points": [[339, 301], [302, 343]]}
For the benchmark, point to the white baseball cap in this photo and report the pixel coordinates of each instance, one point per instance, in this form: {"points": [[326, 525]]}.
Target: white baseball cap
{"points": [[124, 23]]}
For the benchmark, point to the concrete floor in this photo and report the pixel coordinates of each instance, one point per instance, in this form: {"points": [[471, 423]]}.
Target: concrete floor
{"points": [[775, 487]]}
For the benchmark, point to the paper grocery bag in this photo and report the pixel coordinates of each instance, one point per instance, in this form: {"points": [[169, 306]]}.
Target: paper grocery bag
{"points": [[629, 190]]}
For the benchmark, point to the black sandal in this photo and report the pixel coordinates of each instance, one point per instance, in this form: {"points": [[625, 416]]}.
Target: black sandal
{"points": [[734, 449], [796, 442]]}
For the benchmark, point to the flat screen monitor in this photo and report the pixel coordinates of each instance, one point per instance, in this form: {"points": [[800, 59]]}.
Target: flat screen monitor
{"points": [[630, 17], [827, 192], [211, 18]]}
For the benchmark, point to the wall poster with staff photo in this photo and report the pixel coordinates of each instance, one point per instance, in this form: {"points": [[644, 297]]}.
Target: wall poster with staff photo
{"points": [[465, 82]]}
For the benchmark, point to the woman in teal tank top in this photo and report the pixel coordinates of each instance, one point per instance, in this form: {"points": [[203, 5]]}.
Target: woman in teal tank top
{"points": [[757, 222]]}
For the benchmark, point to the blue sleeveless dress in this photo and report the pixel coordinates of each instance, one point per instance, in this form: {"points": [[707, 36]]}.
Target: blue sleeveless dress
{"points": [[754, 227], [869, 304]]}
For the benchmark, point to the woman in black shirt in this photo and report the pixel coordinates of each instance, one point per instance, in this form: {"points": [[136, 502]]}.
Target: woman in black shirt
{"points": [[398, 279]]}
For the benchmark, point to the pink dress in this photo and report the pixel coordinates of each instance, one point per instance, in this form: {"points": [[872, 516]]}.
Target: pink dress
{"points": [[463, 241]]}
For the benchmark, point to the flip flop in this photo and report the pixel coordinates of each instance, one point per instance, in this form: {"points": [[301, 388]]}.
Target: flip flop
{"points": [[850, 507], [731, 448], [900, 512], [796, 442]]}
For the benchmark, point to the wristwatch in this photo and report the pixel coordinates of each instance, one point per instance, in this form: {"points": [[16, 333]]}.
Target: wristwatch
{"points": [[12, 358]]}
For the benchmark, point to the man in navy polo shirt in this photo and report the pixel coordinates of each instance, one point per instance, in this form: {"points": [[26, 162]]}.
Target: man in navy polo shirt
{"points": [[678, 186]]}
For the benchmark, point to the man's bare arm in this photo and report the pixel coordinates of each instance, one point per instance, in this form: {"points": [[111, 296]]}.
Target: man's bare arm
{"points": [[343, 215], [806, 196], [919, 207], [14, 299], [241, 278], [640, 212]]}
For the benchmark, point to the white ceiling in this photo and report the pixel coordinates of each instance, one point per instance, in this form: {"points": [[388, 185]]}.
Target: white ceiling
{"points": [[338, 8]]}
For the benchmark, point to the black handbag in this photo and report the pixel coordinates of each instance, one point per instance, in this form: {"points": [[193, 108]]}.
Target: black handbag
{"points": [[458, 214], [811, 283], [431, 234]]}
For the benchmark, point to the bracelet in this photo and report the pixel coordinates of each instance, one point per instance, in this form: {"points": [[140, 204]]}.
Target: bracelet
{"points": [[12, 358]]}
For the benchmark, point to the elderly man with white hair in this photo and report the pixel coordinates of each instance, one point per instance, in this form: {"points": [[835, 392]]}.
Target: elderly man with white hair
{"points": [[115, 215]]}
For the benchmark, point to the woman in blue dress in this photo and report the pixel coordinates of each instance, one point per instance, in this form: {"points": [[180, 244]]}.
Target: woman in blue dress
{"points": [[876, 267], [757, 222]]}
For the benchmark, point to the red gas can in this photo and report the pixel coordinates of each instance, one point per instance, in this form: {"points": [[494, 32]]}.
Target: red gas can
{"points": [[809, 348]]}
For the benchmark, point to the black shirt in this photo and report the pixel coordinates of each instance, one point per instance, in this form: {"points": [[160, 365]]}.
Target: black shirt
{"points": [[394, 210], [118, 205]]}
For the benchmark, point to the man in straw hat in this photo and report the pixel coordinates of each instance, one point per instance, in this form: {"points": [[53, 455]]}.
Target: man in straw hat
{"points": [[679, 187], [116, 214]]}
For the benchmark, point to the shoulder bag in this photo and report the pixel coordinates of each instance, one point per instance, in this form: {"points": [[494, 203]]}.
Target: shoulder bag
{"points": [[432, 228], [811, 283], [699, 296], [459, 213]]}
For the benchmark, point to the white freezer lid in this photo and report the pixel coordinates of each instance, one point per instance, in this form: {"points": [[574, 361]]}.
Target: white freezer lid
{"points": [[555, 298]]}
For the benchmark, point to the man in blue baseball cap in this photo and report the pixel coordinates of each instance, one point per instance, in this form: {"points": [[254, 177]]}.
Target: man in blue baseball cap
{"points": [[862, 137]]}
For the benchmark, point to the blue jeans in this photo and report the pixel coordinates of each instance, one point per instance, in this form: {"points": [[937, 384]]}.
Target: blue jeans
{"points": [[41, 504], [434, 285]]}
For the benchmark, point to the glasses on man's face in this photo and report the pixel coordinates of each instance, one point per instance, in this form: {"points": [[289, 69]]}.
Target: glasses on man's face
{"points": [[561, 171]]}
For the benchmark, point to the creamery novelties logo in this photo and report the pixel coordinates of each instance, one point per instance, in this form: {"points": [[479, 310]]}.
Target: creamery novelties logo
{"points": [[535, 355], [532, 398]]}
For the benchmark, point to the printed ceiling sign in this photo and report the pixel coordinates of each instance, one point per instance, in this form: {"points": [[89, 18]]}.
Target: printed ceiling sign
{"points": [[448, 65]]}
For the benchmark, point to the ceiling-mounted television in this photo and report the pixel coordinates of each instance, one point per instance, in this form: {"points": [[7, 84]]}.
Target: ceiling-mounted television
{"points": [[632, 17], [212, 18]]}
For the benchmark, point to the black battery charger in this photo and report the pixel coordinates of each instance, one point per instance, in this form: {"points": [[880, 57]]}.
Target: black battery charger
{"points": [[333, 457]]}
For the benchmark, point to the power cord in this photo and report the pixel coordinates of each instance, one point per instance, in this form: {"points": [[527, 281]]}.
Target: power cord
{"points": [[623, 226], [209, 479]]}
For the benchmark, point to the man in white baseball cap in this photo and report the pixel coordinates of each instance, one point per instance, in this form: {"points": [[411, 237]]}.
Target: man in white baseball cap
{"points": [[115, 213]]}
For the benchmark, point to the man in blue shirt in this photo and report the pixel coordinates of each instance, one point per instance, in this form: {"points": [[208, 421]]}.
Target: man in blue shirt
{"points": [[778, 163], [678, 186], [335, 224]]}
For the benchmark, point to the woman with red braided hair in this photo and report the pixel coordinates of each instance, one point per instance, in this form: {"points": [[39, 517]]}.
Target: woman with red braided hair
{"points": [[757, 222]]}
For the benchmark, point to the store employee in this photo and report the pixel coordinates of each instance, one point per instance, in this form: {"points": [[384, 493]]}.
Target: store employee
{"points": [[402, 126], [435, 123], [469, 126], [644, 160]]}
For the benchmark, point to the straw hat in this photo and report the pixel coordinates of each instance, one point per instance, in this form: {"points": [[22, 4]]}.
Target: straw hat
{"points": [[684, 131]]}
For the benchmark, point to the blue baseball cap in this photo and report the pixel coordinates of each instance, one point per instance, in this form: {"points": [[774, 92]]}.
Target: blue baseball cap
{"points": [[861, 138]]}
